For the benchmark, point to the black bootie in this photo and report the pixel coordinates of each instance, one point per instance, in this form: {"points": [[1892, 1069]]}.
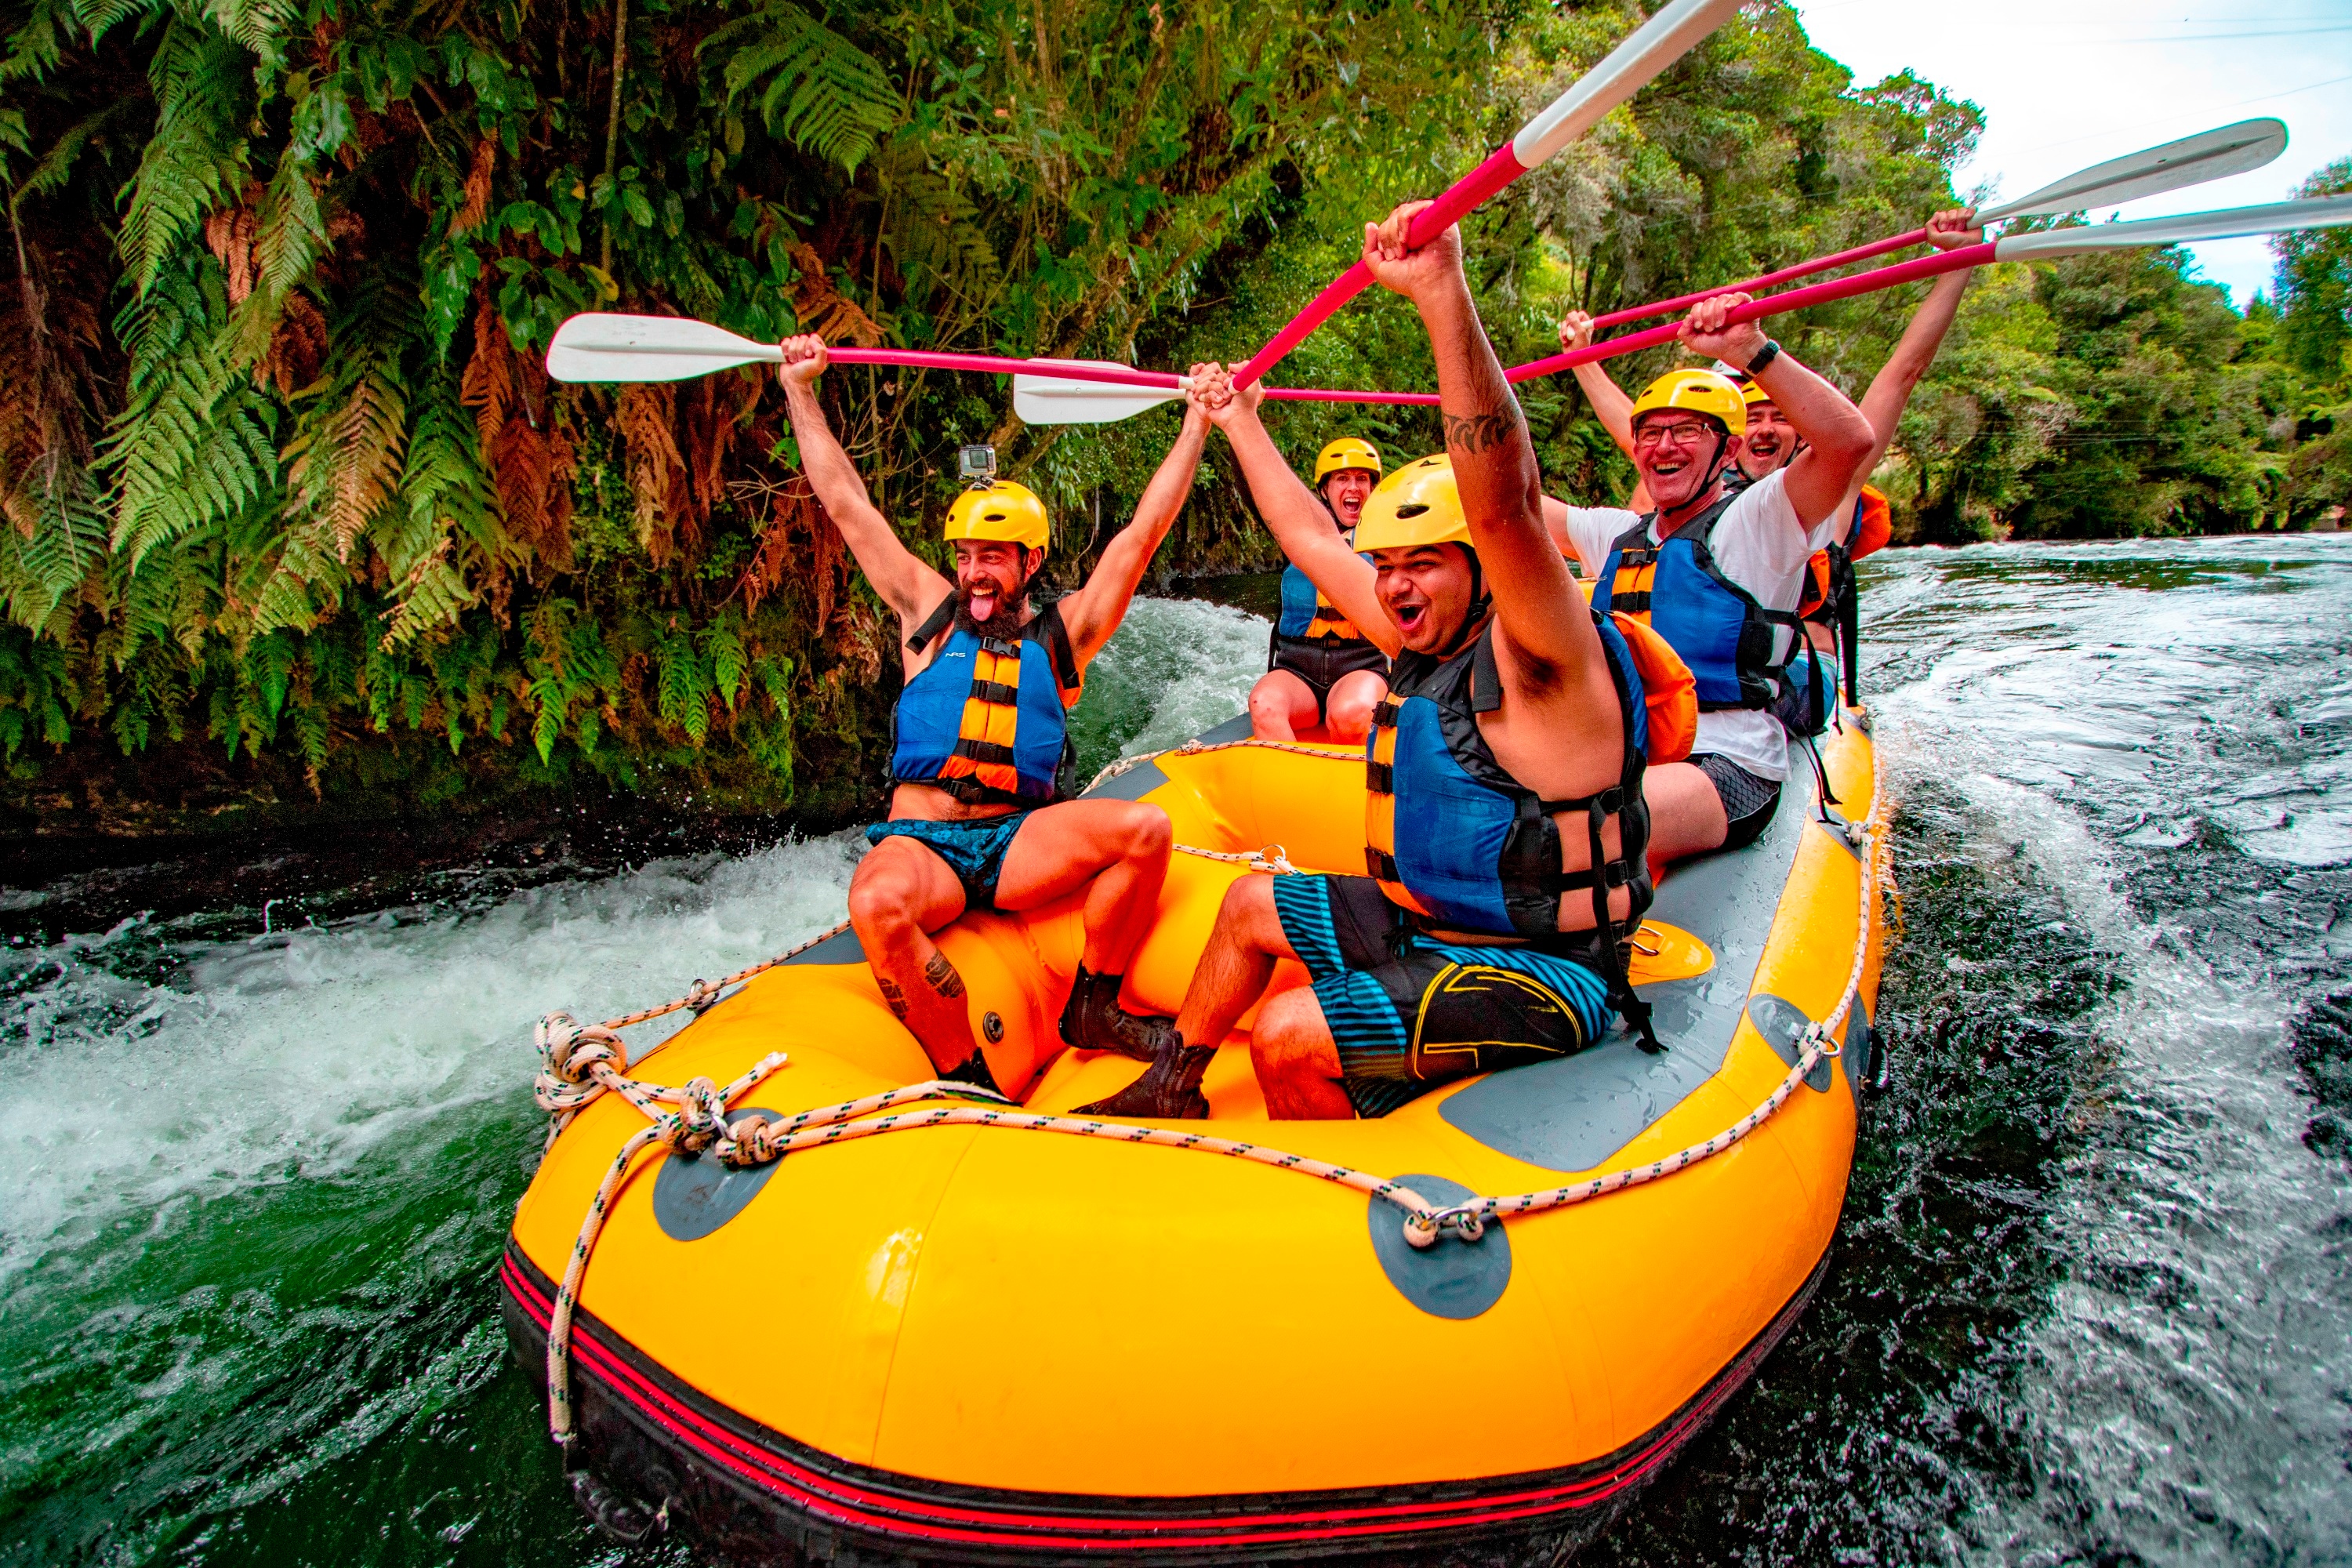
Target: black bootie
{"points": [[1169, 1091], [1092, 1020], [974, 1070]]}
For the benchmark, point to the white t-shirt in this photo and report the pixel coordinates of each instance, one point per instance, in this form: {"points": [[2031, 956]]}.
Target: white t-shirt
{"points": [[1760, 544]]}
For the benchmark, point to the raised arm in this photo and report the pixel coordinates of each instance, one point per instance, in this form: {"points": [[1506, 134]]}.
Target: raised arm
{"points": [[1837, 437], [1890, 390], [1092, 613], [906, 585], [1542, 613], [1300, 522], [1610, 405]]}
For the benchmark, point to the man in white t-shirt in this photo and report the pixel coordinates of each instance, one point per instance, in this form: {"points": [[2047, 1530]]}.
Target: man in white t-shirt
{"points": [[1687, 434]]}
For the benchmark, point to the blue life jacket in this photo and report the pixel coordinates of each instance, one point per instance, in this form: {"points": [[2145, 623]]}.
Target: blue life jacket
{"points": [[1460, 844], [986, 721], [1728, 639]]}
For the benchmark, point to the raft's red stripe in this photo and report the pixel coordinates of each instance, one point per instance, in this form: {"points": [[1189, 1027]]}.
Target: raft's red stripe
{"points": [[849, 1504], [618, 1372]]}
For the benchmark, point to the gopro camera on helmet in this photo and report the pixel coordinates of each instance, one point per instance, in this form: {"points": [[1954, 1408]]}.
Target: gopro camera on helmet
{"points": [[977, 464]]}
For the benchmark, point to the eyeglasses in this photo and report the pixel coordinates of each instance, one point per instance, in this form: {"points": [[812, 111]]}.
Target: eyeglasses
{"points": [[1650, 436]]}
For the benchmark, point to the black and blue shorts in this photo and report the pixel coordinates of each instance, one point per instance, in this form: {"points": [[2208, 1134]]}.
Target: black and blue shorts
{"points": [[1323, 662], [973, 848], [1409, 1013]]}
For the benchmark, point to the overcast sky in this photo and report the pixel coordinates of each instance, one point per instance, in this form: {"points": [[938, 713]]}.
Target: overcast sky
{"points": [[2068, 83]]}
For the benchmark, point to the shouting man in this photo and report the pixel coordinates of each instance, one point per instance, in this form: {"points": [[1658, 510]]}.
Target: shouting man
{"points": [[1505, 829], [980, 815]]}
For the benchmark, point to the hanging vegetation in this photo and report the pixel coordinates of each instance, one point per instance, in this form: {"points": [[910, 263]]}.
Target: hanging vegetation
{"points": [[288, 495]]}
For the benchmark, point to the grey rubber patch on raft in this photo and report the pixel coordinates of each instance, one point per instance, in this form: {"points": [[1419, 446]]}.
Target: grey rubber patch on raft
{"points": [[1133, 784], [694, 1194], [1836, 828], [842, 947], [1455, 1278], [1575, 1113], [1782, 1023], [1236, 727]]}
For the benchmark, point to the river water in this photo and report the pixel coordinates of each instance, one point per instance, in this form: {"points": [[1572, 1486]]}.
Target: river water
{"points": [[2089, 1300]]}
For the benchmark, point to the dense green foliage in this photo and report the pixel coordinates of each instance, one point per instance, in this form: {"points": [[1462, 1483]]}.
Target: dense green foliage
{"points": [[287, 486]]}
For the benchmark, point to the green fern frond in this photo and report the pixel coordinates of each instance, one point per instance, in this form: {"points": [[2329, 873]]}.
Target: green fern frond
{"points": [[730, 666], [69, 542], [290, 237], [822, 92], [344, 458], [57, 165], [259, 24], [202, 81], [682, 686], [301, 582], [192, 445]]}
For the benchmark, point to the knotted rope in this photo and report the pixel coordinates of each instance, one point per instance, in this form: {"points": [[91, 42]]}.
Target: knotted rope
{"points": [[579, 1063]]}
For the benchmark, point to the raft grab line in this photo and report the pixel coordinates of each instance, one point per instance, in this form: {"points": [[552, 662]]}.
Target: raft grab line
{"points": [[581, 1063]]}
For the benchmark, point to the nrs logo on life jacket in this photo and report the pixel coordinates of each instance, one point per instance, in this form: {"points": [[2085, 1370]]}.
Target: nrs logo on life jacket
{"points": [[987, 720]]}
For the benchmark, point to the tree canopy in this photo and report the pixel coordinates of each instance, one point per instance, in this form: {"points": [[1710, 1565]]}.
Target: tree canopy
{"points": [[288, 487]]}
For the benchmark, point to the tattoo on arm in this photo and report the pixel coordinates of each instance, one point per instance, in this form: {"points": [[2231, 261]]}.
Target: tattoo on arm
{"points": [[942, 976], [1477, 431], [893, 996]]}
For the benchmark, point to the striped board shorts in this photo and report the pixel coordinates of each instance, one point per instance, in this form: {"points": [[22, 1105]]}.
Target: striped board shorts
{"points": [[1409, 1013]]}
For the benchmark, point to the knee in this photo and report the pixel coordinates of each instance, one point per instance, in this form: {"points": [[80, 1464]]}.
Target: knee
{"points": [[1285, 1041], [1267, 699], [1248, 912], [878, 904], [1149, 834]]}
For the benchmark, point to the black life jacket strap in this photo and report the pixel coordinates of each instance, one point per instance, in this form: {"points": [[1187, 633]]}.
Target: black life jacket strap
{"points": [[937, 621]]}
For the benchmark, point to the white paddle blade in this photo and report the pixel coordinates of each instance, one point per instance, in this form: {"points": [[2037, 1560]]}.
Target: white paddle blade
{"points": [[2175, 165], [2232, 222], [1057, 400], [1642, 55], [597, 347]]}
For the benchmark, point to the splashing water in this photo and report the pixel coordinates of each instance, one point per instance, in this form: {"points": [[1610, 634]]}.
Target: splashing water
{"points": [[2087, 1301]]}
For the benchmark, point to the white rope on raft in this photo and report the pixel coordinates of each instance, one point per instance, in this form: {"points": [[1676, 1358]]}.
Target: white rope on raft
{"points": [[581, 1063]]}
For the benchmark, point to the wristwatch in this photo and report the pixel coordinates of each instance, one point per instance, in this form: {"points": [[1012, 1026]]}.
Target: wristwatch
{"points": [[1764, 357]]}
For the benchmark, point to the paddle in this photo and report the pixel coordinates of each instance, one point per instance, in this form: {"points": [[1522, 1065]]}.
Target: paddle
{"points": [[1063, 400], [2175, 166], [596, 347], [1645, 52], [2329, 212]]}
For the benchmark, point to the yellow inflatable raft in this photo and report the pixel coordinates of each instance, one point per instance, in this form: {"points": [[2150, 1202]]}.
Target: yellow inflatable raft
{"points": [[983, 1343]]}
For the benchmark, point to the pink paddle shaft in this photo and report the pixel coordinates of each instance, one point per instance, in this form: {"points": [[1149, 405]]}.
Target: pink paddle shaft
{"points": [[1433, 220], [1770, 305], [1109, 375], [1801, 269]]}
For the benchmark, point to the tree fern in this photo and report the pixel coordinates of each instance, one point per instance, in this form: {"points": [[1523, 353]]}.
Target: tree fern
{"points": [[816, 89], [201, 82]]}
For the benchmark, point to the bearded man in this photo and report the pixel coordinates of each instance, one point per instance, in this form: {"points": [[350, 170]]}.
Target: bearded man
{"points": [[980, 813]]}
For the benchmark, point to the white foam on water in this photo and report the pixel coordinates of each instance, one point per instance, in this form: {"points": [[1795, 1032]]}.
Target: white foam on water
{"points": [[2184, 1398], [1188, 663], [295, 1055]]}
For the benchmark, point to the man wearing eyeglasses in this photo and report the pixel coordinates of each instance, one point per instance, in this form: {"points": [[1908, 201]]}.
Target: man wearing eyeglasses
{"points": [[1718, 572]]}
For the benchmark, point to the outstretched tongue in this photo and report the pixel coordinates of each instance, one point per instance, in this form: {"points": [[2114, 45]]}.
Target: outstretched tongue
{"points": [[981, 605]]}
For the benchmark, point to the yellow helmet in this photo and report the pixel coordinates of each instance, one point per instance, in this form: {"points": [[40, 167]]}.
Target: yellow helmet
{"points": [[1418, 504], [1347, 452], [1000, 510], [1750, 394], [1696, 391]]}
